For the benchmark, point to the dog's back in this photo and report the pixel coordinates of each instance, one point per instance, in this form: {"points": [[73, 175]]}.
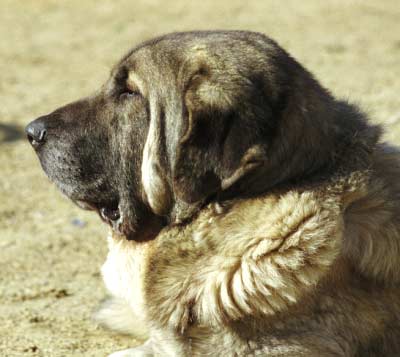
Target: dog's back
{"points": [[372, 239]]}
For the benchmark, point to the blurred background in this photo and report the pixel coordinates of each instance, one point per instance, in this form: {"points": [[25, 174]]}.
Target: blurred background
{"points": [[53, 52]]}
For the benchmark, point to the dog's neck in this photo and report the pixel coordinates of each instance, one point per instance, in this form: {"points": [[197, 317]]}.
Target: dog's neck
{"points": [[320, 143]]}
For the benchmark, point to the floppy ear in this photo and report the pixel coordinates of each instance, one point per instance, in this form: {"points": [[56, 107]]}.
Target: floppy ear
{"points": [[154, 175], [222, 139], [205, 135]]}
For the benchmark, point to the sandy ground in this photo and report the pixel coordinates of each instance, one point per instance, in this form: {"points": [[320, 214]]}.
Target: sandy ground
{"points": [[52, 52]]}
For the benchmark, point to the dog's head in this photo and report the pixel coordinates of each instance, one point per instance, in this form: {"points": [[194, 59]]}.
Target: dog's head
{"points": [[184, 119]]}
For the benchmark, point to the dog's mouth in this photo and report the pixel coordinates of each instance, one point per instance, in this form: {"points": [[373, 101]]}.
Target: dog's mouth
{"points": [[148, 228], [109, 212]]}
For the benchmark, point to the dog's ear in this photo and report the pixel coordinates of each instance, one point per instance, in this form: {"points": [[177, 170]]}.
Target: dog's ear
{"points": [[223, 131], [207, 135]]}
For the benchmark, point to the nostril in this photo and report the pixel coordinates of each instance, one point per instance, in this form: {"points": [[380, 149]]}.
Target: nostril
{"points": [[30, 138], [42, 135]]}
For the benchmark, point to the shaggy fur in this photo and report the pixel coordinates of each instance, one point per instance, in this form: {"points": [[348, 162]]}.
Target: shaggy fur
{"points": [[291, 273], [282, 202]]}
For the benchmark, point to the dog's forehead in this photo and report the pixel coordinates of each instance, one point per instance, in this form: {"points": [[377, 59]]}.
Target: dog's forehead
{"points": [[171, 44], [230, 57], [174, 49], [146, 65], [159, 65], [169, 51]]}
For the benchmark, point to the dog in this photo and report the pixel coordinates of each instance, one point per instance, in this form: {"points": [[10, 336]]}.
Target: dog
{"points": [[251, 212]]}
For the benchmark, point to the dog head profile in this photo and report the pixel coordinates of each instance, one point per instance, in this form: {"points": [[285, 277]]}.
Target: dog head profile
{"points": [[187, 118]]}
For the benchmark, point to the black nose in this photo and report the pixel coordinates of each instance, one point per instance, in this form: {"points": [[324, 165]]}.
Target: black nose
{"points": [[36, 132]]}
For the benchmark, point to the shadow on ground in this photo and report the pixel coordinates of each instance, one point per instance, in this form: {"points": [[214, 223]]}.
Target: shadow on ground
{"points": [[10, 132]]}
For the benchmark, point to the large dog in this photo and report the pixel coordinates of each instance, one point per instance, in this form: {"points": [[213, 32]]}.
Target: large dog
{"points": [[251, 212]]}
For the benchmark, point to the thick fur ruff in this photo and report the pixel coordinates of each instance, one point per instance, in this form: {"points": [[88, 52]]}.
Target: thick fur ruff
{"points": [[310, 271]]}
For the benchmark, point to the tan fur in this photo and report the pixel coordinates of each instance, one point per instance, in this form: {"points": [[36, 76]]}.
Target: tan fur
{"points": [[288, 205], [372, 238], [121, 261], [300, 272], [305, 264]]}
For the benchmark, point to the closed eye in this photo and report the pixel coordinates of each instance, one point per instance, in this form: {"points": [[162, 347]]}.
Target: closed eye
{"points": [[126, 88], [129, 93]]}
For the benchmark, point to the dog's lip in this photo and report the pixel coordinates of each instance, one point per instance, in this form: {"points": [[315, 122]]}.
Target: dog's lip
{"points": [[108, 212], [86, 205], [148, 228]]}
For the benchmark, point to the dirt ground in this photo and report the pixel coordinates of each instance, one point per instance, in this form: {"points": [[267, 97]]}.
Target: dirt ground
{"points": [[52, 52]]}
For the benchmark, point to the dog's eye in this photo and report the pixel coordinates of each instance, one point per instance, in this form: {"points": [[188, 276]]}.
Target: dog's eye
{"points": [[129, 90], [129, 93]]}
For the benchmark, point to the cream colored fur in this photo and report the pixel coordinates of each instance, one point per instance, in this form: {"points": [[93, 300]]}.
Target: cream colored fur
{"points": [[307, 271], [123, 276]]}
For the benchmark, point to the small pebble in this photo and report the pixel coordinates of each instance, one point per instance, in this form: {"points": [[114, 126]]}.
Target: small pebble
{"points": [[59, 294], [31, 349], [78, 223]]}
